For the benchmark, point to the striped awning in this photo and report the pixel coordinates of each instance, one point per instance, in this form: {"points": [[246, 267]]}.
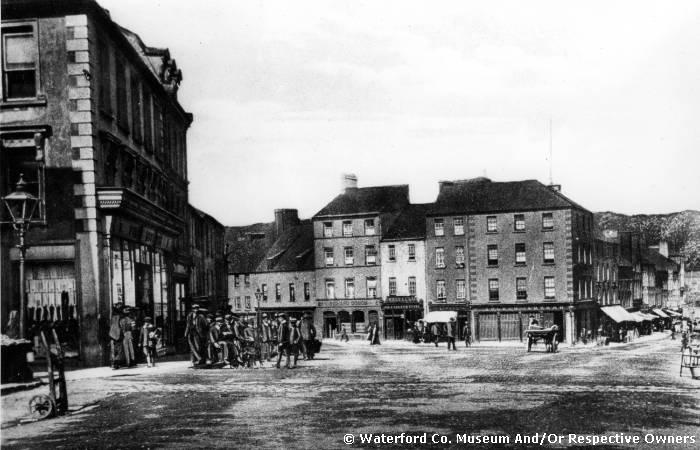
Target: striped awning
{"points": [[660, 313], [618, 314]]}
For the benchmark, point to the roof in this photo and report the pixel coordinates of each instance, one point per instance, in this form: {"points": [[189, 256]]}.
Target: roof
{"points": [[248, 246], [292, 251], [376, 199], [410, 224], [204, 215], [481, 195], [653, 257]]}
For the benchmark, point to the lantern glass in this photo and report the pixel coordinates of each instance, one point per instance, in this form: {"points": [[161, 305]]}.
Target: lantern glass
{"points": [[20, 203]]}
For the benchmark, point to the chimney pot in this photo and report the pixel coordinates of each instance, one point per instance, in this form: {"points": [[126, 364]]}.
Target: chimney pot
{"points": [[349, 181]]}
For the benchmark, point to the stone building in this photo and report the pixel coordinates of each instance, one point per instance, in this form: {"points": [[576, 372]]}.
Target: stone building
{"points": [[90, 116], [347, 234], [499, 252], [208, 280], [403, 271]]}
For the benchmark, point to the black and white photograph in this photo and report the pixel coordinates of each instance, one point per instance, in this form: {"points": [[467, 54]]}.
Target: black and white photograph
{"points": [[338, 224]]}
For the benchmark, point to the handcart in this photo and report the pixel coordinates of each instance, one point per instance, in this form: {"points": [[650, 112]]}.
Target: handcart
{"points": [[550, 336], [56, 403]]}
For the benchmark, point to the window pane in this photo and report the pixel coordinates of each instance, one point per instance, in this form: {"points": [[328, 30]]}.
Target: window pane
{"points": [[439, 227], [491, 223], [20, 52], [440, 257], [21, 84]]}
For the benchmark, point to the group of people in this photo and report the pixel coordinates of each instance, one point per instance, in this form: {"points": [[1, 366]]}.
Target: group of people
{"points": [[437, 331], [232, 341], [126, 335]]}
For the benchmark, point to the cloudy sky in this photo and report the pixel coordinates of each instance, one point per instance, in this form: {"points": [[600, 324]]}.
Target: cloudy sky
{"points": [[287, 95]]}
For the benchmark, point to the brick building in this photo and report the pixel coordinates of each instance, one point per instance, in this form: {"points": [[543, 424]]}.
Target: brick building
{"points": [[90, 116], [500, 252]]}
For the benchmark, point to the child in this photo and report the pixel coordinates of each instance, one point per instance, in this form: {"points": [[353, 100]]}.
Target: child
{"points": [[149, 339]]}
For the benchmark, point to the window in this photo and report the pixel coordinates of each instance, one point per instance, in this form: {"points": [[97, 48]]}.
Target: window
{"points": [[157, 129], [136, 109], [369, 227], [370, 255], [461, 290], [392, 286], [439, 257], [521, 288], [412, 286], [246, 280], [122, 102], [278, 292], [371, 287], [264, 292], [347, 228], [411, 252], [547, 221], [440, 290], [493, 289], [349, 288], [439, 227], [236, 280], [519, 222], [459, 256], [520, 258], [548, 250], [330, 289], [458, 226], [247, 302], [392, 253], [349, 256], [292, 293], [307, 292], [147, 122], [327, 229], [491, 226], [492, 255], [19, 62], [549, 288], [238, 303], [328, 253]]}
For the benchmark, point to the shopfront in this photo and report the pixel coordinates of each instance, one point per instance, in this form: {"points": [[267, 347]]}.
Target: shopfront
{"points": [[463, 314], [400, 315], [509, 323], [351, 316]]}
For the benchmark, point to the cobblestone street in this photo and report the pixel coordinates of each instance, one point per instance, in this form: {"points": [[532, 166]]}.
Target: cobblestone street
{"points": [[393, 388]]}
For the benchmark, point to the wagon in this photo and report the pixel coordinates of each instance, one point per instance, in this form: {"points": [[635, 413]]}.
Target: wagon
{"points": [[550, 336]]}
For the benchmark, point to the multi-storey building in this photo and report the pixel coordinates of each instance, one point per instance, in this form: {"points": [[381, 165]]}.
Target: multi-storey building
{"points": [[509, 250], [90, 116], [630, 270], [347, 234], [276, 260], [403, 271], [659, 275], [208, 279]]}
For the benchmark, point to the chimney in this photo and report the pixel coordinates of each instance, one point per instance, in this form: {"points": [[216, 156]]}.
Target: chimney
{"points": [[555, 187], [663, 248], [284, 220], [445, 184], [349, 181]]}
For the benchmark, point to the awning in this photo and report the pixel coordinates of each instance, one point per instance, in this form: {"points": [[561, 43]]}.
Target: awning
{"points": [[440, 316], [673, 313], [660, 313], [618, 314], [642, 316]]}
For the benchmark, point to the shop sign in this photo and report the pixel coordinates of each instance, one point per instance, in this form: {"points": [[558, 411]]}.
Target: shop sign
{"points": [[337, 303]]}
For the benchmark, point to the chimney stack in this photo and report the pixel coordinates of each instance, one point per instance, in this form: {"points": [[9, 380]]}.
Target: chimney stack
{"points": [[284, 220], [349, 181], [555, 187]]}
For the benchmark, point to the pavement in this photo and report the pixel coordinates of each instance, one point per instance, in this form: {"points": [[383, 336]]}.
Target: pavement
{"points": [[354, 388]]}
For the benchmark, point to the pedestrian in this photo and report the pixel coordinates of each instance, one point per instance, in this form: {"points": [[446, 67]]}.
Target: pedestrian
{"points": [[294, 342], [435, 331], [451, 333], [148, 341], [192, 335], [127, 323], [373, 334], [214, 336], [308, 334], [116, 337], [283, 338], [266, 337], [344, 335], [467, 333]]}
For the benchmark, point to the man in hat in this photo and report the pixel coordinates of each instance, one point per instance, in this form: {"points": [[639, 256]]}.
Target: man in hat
{"points": [[196, 333], [230, 338], [308, 334], [266, 337], [294, 342], [282, 337], [116, 337], [128, 324], [451, 334], [467, 333]]}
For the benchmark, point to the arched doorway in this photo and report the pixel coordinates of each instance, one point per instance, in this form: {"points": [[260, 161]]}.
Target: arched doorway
{"points": [[358, 322], [330, 324], [344, 321]]}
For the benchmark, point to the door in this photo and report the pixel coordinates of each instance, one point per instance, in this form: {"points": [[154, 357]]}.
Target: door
{"points": [[488, 327], [510, 326], [389, 324]]}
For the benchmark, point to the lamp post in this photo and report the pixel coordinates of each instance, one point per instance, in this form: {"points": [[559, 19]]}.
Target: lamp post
{"points": [[258, 325], [21, 205]]}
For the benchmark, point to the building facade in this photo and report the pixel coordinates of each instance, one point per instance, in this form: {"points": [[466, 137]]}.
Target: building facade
{"points": [[347, 234], [208, 280], [500, 252], [90, 116], [402, 250]]}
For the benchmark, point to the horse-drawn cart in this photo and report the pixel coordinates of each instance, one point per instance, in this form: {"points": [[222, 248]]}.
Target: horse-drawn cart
{"points": [[550, 336]]}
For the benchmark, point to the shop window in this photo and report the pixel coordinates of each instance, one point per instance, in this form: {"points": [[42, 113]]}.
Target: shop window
{"points": [[20, 62]]}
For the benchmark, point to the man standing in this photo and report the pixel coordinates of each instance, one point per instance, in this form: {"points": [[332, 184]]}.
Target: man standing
{"points": [[192, 336], [215, 335], [373, 335], [451, 333], [308, 334], [266, 337], [294, 341], [116, 337], [467, 333], [282, 338], [435, 331], [127, 325]]}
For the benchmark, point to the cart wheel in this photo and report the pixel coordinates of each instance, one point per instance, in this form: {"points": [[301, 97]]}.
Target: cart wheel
{"points": [[41, 407]]}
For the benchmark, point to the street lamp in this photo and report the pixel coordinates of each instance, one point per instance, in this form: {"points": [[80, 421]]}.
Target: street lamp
{"points": [[21, 205], [258, 325]]}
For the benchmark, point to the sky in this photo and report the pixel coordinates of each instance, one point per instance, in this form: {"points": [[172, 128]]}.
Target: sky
{"points": [[288, 96]]}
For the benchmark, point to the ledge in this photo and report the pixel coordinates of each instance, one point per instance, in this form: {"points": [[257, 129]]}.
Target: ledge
{"points": [[17, 104]]}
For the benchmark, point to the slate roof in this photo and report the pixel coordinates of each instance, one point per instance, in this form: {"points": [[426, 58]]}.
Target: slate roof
{"points": [[376, 199], [653, 257], [292, 251], [410, 224], [481, 195], [248, 246]]}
